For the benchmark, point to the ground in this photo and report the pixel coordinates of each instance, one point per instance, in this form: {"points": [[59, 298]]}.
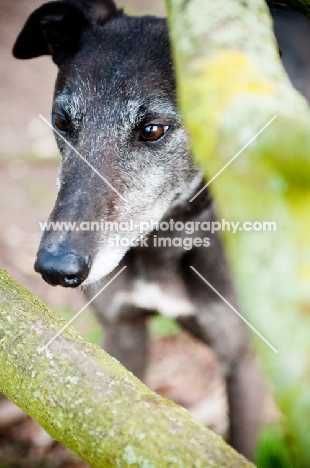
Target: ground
{"points": [[180, 368]]}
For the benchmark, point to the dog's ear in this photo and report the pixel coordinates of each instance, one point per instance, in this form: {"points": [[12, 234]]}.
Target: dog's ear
{"points": [[55, 28], [100, 10]]}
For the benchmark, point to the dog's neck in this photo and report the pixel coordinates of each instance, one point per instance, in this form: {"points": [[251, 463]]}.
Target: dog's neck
{"points": [[189, 210]]}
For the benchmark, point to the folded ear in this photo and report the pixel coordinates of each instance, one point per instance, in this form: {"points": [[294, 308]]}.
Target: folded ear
{"points": [[56, 27]]}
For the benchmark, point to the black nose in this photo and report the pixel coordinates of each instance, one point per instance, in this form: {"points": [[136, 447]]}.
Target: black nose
{"points": [[65, 269]]}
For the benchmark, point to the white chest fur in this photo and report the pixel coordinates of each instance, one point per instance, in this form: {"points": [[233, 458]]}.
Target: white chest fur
{"points": [[153, 296]]}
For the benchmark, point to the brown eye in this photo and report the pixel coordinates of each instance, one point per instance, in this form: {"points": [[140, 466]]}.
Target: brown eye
{"points": [[61, 123], [153, 132]]}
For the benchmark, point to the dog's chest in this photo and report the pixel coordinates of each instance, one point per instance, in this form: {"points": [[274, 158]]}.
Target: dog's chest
{"points": [[170, 300]]}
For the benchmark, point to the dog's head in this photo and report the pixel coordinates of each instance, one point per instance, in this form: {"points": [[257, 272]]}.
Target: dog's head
{"points": [[126, 154]]}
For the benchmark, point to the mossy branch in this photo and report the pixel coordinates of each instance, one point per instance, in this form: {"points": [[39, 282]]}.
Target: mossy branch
{"points": [[86, 400]]}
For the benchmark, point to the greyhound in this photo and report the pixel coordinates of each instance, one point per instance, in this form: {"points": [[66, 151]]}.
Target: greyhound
{"points": [[115, 103]]}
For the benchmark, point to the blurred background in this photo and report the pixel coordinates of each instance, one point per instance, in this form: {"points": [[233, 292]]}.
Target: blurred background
{"points": [[180, 368]]}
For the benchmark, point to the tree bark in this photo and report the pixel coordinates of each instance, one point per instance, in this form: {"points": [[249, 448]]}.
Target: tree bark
{"points": [[231, 83], [86, 400]]}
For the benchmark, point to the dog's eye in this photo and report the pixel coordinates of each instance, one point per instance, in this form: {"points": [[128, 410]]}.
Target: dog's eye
{"points": [[153, 132], [60, 122]]}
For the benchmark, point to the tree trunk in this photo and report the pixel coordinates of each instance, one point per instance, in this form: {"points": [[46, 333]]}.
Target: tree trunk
{"points": [[231, 84]]}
